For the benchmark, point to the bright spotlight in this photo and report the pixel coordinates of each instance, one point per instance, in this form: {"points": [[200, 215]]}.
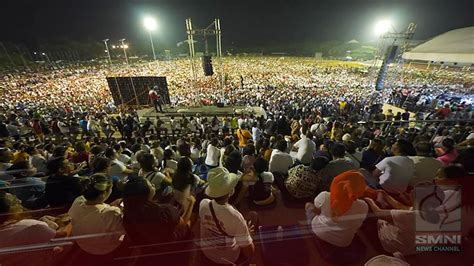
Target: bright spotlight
{"points": [[113, 46], [125, 46], [150, 23], [382, 27]]}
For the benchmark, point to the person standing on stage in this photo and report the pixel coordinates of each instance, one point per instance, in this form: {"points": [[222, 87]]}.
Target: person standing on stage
{"points": [[156, 99]]}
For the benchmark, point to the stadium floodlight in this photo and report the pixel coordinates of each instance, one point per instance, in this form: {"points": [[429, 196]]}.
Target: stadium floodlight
{"points": [[150, 25], [382, 27]]}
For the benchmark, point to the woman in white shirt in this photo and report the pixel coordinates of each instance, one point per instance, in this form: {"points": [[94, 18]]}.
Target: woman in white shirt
{"points": [[336, 216], [97, 225]]}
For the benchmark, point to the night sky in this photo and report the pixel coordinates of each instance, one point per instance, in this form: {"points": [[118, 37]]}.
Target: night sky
{"points": [[243, 22]]}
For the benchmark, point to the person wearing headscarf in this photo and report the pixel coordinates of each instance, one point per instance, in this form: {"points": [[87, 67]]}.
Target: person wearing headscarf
{"points": [[336, 216]]}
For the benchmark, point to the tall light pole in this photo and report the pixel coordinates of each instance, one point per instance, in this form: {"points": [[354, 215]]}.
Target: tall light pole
{"points": [[124, 46], [107, 50], [150, 25], [47, 57]]}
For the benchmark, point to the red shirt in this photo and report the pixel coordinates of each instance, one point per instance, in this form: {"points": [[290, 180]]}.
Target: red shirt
{"points": [[153, 95], [444, 112]]}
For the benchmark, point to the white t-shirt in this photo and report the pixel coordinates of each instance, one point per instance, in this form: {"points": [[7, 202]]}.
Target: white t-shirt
{"points": [[216, 246], [117, 168], [256, 134], [398, 236], [280, 162], [318, 129], [306, 147], [397, 171], [425, 169], [341, 230], [101, 223], [213, 155], [124, 158], [470, 136], [63, 127], [23, 233], [156, 178], [172, 164]]}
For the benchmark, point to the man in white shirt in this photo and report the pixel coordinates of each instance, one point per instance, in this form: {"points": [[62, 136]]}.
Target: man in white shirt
{"points": [[213, 154], [305, 147], [395, 172], [318, 129], [426, 166], [117, 168], [256, 133], [280, 160], [225, 235]]}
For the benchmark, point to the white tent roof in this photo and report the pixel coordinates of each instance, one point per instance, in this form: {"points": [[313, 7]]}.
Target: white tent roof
{"points": [[452, 46]]}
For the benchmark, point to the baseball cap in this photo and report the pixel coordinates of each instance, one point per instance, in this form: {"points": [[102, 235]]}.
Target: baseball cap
{"points": [[220, 182]]}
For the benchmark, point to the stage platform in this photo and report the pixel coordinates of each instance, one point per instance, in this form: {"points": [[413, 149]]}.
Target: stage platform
{"points": [[208, 111]]}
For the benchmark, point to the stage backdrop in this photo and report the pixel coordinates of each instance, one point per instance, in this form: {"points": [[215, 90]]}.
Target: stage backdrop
{"points": [[134, 90]]}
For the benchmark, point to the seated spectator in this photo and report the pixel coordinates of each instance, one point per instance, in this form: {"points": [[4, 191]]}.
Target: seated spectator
{"points": [[156, 150], [226, 150], [260, 192], [184, 186], [95, 151], [80, 155], [6, 157], [456, 185], [158, 226], [20, 154], [265, 150], [303, 181], [16, 231], [168, 164], [62, 187], [426, 166], [372, 155], [396, 226], [305, 148], [336, 216], [97, 225], [38, 161], [352, 154], [225, 234], [336, 166], [149, 171], [118, 168], [249, 157], [446, 153], [29, 189], [213, 154], [102, 165], [395, 172], [280, 160]]}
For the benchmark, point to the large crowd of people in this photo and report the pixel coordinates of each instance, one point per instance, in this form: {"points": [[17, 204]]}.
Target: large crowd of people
{"points": [[82, 183]]}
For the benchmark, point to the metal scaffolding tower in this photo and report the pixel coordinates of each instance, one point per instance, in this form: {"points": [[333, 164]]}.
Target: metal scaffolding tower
{"points": [[213, 29], [391, 72]]}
